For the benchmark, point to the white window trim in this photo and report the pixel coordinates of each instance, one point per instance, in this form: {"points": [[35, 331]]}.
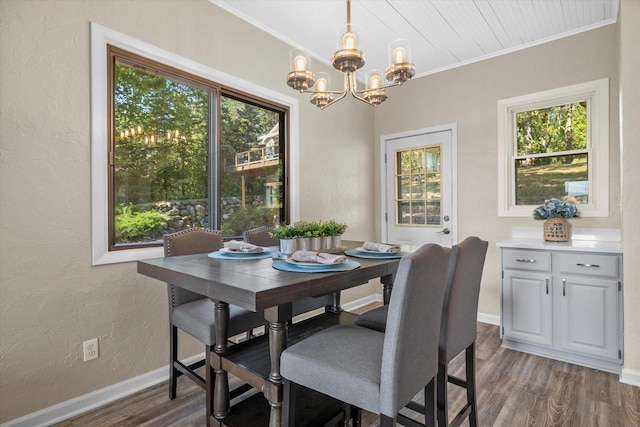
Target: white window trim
{"points": [[100, 38], [597, 92]]}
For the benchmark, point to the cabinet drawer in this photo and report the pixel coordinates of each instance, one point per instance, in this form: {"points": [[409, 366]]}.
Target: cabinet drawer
{"points": [[588, 264], [526, 260]]}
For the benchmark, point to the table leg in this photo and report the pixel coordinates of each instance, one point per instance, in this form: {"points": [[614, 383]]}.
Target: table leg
{"points": [[221, 386], [387, 285], [278, 318], [335, 303]]}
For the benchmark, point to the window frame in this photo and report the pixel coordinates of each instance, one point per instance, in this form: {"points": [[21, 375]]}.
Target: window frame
{"points": [[596, 94], [101, 37]]}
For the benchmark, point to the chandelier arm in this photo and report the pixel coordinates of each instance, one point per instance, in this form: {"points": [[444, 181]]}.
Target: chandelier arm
{"points": [[385, 86], [333, 101], [352, 83], [332, 92]]}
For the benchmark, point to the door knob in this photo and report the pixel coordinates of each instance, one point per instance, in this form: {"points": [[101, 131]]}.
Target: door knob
{"points": [[444, 231]]}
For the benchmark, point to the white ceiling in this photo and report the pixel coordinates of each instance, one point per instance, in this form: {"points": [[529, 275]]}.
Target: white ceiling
{"points": [[443, 33]]}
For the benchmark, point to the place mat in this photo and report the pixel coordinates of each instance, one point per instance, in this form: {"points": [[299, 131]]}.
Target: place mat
{"points": [[268, 253], [282, 265], [373, 255]]}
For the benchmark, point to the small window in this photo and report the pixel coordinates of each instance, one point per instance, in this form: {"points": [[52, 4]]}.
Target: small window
{"points": [[555, 144]]}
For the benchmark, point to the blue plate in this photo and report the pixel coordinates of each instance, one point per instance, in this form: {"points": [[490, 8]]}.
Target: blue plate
{"points": [[374, 255], [282, 265]]}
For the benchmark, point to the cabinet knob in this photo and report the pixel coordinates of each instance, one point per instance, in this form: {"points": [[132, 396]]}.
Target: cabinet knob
{"points": [[525, 260]]}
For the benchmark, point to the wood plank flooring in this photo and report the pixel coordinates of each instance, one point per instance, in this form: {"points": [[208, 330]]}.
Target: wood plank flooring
{"points": [[514, 389]]}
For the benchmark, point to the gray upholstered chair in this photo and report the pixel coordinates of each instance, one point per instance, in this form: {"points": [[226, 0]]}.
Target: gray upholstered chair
{"points": [[376, 371], [194, 314], [458, 329], [260, 236]]}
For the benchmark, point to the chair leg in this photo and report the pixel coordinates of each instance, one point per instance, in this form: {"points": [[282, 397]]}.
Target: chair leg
{"points": [[348, 411], [430, 404], [356, 416], [470, 365], [441, 387], [209, 381], [173, 357], [288, 403], [387, 421]]}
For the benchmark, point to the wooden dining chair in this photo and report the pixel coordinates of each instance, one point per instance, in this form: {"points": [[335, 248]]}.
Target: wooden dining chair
{"points": [[260, 236], [194, 314], [458, 329], [376, 371]]}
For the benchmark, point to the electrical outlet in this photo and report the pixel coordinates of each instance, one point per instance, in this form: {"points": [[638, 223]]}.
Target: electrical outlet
{"points": [[90, 349]]}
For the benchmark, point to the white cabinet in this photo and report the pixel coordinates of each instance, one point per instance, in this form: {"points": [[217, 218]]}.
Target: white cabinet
{"points": [[564, 305], [528, 298]]}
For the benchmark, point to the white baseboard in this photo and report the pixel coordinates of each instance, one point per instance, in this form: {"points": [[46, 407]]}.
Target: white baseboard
{"points": [[369, 299], [86, 402], [491, 319], [628, 376]]}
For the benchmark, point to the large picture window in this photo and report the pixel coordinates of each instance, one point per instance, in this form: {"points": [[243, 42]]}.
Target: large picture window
{"points": [[178, 165], [177, 145], [554, 144]]}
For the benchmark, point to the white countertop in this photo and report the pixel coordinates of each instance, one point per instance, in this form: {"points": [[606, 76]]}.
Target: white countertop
{"points": [[582, 240]]}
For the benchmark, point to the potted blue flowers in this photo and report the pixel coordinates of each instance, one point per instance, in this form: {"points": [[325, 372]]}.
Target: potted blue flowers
{"points": [[554, 212]]}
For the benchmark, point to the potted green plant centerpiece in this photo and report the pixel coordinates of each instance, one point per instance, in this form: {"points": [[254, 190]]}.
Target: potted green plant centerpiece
{"points": [[287, 234], [332, 231], [309, 235], [554, 212]]}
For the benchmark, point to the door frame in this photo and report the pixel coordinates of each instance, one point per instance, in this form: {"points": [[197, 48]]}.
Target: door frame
{"points": [[384, 139]]}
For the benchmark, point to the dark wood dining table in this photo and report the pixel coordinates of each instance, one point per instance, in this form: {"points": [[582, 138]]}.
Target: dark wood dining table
{"points": [[255, 285]]}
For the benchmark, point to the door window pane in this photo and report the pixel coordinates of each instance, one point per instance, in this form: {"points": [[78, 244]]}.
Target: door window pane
{"points": [[418, 183]]}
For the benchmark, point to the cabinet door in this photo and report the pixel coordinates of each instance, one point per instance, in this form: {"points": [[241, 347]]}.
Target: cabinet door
{"points": [[589, 316], [526, 304]]}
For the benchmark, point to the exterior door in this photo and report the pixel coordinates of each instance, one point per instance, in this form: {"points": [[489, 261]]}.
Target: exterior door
{"points": [[419, 188]]}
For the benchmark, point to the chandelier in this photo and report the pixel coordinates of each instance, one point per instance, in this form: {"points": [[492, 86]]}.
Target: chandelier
{"points": [[348, 59]]}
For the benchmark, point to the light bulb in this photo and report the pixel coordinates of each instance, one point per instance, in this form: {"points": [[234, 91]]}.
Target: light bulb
{"points": [[299, 63], [349, 41], [321, 85], [374, 81], [399, 55]]}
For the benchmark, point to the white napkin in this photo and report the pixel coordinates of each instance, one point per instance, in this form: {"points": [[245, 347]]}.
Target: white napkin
{"points": [[317, 257], [235, 245], [381, 247]]}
